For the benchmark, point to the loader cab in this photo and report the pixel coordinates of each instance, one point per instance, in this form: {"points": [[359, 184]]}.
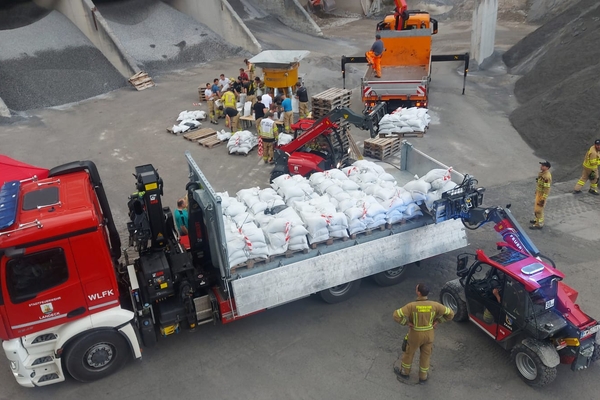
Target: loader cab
{"points": [[325, 151], [55, 260], [524, 310]]}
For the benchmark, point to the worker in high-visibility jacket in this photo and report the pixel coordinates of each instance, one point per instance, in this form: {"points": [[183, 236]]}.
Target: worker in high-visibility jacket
{"points": [[229, 99], [268, 135], [542, 190], [421, 316], [590, 170]]}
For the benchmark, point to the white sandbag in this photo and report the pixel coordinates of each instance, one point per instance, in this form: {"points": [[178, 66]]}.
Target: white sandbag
{"points": [[235, 208], [279, 180], [247, 108], [243, 218], [333, 190], [437, 173], [322, 187], [406, 129], [418, 185], [291, 215], [336, 174], [356, 226], [351, 170], [340, 233], [412, 210], [355, 213], [437, 184], [316, 178], [394, 217], [348, 185], [284, 138], [387, 177], [448, 185], [298, 230], [223, 135], [346, 204]]}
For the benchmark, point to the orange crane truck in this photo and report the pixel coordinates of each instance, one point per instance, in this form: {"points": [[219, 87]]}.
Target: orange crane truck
{"points": [[406, 60]]}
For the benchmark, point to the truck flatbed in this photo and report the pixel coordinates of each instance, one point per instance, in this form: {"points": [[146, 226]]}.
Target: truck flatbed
{"points": [[397, 73]]}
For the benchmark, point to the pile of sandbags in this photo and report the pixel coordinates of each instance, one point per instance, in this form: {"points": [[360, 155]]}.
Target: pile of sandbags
{"points": [[188, 120], [404, 120], [242, 142], [295, 211], [258, 224]]}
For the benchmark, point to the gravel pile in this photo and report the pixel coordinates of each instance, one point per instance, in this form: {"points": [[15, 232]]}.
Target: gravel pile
{"points": [[559, 91], [161, 38], [49, 63]]}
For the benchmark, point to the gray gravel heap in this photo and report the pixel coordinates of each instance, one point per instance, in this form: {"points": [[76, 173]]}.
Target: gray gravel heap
{"points": [[49, 63], [161, 38]]}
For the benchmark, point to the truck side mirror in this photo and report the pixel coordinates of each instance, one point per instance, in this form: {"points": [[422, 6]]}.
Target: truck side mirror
{"points": [[434, 26], [462, 262]]}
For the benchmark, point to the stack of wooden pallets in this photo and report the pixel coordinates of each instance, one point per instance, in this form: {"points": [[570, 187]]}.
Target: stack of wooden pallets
{"points": [[381, 148], [326, 101], [206, 137], [141, 81]]}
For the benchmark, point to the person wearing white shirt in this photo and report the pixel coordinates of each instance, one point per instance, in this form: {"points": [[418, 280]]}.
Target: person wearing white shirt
{"points": [[210, 100], [267, 100]]}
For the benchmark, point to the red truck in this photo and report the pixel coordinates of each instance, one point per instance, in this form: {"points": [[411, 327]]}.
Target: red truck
{"points": [[71, 303]]}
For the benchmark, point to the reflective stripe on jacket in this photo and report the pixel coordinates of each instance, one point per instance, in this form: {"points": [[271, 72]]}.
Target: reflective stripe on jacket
{"points": [[422, 314], [592, 158], [544, 180], [228, 100], [268, 128]]}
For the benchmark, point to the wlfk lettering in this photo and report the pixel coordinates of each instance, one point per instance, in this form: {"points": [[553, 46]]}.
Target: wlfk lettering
{"points": [[98, 296]]}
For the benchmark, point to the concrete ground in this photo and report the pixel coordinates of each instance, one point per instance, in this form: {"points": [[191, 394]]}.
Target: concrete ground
{"points": [[307, 349]]}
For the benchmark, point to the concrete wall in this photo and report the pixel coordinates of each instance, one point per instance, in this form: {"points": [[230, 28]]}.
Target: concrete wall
{"points": [[483, 30], [219, 16], [87, 18], [292, 14]]}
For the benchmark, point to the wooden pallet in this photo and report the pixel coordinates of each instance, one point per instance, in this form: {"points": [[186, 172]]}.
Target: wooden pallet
{"points": [[381, 148], [331, 95], [370, 231], [141, 81], [402, 135], [199, 134], [192, 131], [210, 141], [251, 263]]}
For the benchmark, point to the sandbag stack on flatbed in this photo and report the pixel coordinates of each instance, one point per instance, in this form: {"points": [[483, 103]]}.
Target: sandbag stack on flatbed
{"points": [[297, 212]]}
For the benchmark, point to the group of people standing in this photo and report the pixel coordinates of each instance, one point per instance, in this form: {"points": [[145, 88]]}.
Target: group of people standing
{"points": [[223, 95]]}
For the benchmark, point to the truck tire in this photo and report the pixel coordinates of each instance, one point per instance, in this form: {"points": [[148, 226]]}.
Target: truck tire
{"points": [[390, 277], [96, 355], [450, 297], [340, 293], [531, 368]]}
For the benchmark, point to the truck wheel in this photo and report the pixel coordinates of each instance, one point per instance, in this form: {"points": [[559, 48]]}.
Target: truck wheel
{"points": [[96, 355], [531, 368], [340, 293], [596, 353], [390, 277], [450, 297]]}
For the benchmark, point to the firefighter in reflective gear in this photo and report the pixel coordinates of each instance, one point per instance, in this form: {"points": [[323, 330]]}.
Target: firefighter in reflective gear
{"points": [[268, 134], [421, 316], [590, 170], [544, 180]]}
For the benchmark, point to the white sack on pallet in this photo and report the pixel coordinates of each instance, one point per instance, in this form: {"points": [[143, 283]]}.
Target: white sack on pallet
{"points": [[185, 125], [242, 142]]}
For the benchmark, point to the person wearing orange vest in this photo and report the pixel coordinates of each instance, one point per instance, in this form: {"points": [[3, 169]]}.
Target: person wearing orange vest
{"points": [[421, 316], [590, 170], [544, 180]]}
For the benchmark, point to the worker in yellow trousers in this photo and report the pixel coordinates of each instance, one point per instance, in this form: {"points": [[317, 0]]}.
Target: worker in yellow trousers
{"points": [[543, 181], [590, 170], [421, 316], [374, 55]]}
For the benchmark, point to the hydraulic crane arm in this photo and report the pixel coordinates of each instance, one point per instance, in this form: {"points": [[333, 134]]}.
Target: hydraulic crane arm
{"points": [[363, 121], [464, 202]]}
